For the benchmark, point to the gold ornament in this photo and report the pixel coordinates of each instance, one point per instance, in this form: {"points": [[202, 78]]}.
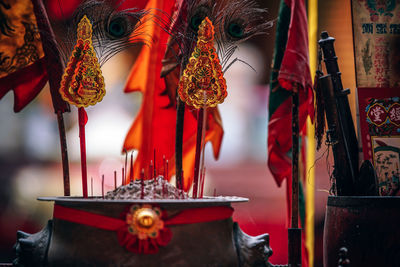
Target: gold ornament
{"points": [[144, 221], [202, 83], [82, 83]]}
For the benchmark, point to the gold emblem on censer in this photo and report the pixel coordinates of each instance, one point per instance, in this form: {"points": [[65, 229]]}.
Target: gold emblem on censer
{"points": [[144, 221]]}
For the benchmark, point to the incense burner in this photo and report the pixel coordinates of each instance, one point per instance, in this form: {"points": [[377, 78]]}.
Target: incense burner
{"points": [[189, 238]]}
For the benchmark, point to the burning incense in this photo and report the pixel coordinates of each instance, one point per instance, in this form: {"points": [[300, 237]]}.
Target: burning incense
{"points": [[131, 169], [165, 175], [126, 163], [203, 176], [142, 184], [155, 168], [115, 179], [123, 176], [166, 166], [102, 185], [151, 170], [91, 186]]}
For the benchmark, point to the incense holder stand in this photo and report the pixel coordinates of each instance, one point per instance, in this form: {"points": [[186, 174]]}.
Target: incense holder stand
{"points": [[366, 226], [218, 242]]}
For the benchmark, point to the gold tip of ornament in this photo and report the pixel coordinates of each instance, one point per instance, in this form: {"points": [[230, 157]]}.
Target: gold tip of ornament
{"points": [[82, 83], [202, 83], [84, 29], [206, 30]]}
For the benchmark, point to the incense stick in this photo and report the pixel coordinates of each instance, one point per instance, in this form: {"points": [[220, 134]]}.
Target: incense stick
{"points": [[203, 176], [142, 184], [82, 118], [102, 185], [115, 180], [203, 152], [151, 169], [200, 118], [131, 169], [166, 166], [123, 177], [126, 163], [165, 175], [155, 168]]}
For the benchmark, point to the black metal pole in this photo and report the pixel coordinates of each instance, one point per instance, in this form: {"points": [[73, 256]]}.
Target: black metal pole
{"points": [[180, 113], [346, 147], [180, 116], [294, 233]]}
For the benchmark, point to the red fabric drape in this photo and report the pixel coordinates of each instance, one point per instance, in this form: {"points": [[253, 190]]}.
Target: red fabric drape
{"points": [[26, 83]]}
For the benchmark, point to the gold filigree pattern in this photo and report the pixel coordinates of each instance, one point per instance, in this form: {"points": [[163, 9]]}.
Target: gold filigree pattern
{"points": [[82, 83], [202, 83], [20, 43]]}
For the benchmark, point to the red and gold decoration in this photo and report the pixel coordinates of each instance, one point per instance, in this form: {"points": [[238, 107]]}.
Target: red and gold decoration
{"points": [[202, 83], [22, 62], [143, 228], [379, 111], [83, 83], [145, 221]]}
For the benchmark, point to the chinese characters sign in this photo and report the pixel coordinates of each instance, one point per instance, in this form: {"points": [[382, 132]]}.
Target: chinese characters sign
{"points": [[378, 114], [380, 134], [376, 28]]}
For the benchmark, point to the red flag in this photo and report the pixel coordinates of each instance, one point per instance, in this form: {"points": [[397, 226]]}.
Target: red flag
{"points": [[154, 126], [290, 72], [149, 131], [290, 67], [62, 10]]}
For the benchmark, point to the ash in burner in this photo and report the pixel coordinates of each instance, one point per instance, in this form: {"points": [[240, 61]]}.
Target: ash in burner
{"points": [[157, 188]]}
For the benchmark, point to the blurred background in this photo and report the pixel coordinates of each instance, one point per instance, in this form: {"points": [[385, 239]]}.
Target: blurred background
{"points": [[30, 160]]}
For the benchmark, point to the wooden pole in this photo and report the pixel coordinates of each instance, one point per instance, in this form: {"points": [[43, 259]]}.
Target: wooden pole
{"points": [[54, 67], [64, 153], [295, 160], [294, 233]]}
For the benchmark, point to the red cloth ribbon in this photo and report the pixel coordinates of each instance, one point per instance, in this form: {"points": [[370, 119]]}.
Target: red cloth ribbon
{"points": [[132, 242]]}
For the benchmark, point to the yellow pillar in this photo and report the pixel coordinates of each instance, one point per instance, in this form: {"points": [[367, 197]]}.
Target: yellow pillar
{"points": [[310, 173]]}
